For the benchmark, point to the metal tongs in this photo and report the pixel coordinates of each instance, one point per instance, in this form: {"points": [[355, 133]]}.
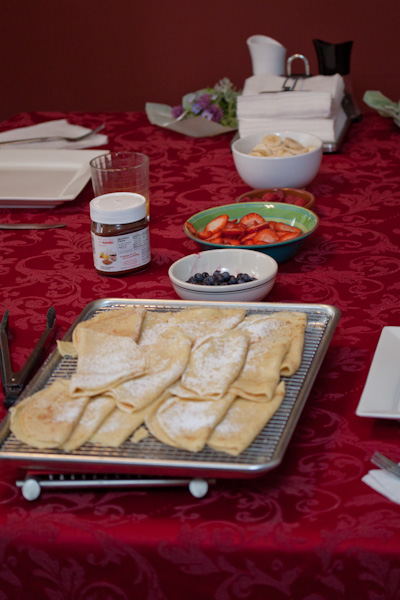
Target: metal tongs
{"points": [[14, 383]]}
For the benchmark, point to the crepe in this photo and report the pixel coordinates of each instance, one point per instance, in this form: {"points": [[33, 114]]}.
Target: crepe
{"points": [[126, 321], [105, 361], [243, 423], [47, 418], [282, 326], [215, 362], [194, 323], [117, 427], [93, 416], [261, 373], [166, 361], [185, 423]]}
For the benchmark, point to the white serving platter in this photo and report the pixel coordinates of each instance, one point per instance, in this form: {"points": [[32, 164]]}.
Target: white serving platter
{"points": [[43, 178], [381, 394]]}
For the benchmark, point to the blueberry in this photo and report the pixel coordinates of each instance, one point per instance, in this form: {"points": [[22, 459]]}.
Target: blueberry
{"points": [[209, 280]]}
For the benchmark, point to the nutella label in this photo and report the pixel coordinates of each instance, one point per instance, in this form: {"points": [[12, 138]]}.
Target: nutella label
{"points": [[121, 252]]}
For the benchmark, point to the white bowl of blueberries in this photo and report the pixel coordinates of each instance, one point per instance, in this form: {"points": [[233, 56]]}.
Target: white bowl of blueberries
{"points": [[223, 275]]}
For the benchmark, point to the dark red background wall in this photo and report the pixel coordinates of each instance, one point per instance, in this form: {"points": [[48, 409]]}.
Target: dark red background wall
{"points": [[106, 55]]}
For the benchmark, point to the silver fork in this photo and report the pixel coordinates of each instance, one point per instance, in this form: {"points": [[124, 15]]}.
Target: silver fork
{"points": [[56, 137], [385, 463]]}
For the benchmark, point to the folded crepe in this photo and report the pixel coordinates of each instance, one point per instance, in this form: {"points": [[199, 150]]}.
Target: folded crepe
{"points": [[285, 326], [166, 361], [126, 321], [47, 418], [186, 423], [194, 323], [105, 361], [243, 423], [261, 373], [96, 411], [118, 426], [215, 362]]}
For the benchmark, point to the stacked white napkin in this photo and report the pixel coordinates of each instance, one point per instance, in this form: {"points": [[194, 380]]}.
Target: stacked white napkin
{"points": [[51, 128], [313, 107], [385, 483]]}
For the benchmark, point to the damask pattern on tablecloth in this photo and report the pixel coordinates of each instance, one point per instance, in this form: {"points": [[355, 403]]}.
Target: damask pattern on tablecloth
{"points": [[310, 529]]}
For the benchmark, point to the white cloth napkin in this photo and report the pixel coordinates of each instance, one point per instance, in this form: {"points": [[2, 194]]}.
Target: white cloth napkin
{"points": [[385, 483], [313, 97], [50, 128]]}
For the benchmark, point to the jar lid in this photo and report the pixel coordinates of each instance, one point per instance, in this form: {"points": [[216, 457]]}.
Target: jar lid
{"points": [[118, 208]]}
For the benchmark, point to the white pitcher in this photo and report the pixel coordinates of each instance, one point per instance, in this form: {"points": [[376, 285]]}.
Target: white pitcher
{"points": [[267, 55]]}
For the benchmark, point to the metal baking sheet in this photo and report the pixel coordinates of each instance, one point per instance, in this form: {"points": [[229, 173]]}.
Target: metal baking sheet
{"points": [[151, 457]]}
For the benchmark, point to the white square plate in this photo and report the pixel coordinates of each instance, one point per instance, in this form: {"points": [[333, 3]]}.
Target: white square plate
{"points": [[43, 178], [381, 394]]}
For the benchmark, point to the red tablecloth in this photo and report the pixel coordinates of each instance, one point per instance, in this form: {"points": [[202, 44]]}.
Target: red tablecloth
{"points": [[310, 529]]}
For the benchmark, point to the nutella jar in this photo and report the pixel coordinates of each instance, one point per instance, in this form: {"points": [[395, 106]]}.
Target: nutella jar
{"points": [[120, 233]]}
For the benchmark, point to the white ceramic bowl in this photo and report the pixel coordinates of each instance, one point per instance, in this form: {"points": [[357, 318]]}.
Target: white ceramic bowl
{"points": [[255, 264], [286, 171]]}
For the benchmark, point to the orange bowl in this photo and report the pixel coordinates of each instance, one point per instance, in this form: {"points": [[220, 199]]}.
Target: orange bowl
{"points": [[257, 195]]}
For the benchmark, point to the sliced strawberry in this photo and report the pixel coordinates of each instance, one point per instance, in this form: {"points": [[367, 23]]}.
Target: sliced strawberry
{"points": [[204, 235], [190, 228], [231, 223], [247, 238], [266, 236], [252, 219], [230, 241], [290, 235], [215, 238], [233, 231], [217, 224], [285, 227], [259, 227]]}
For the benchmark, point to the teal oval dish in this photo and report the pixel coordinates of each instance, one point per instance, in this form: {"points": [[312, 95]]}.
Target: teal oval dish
{"points": [[297, 216]]}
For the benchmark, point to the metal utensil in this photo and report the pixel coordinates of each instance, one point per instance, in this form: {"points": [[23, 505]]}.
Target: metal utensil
{"points": [[32, 225], [13, 383], [55, 137], [385, 463]]}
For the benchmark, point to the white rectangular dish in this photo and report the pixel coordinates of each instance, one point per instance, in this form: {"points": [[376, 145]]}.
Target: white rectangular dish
{"points": [[43, 178], [381, 394]]}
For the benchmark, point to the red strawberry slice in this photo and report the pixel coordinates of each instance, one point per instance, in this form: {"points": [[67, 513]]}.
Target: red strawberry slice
{"points": [[190, 228], [290, 235], [233, 231], [247, 238], [230, 242], [266, 236], [259, 227], [252, 219], [286, 227], [204, 235], [215, 238], [217, 224]]}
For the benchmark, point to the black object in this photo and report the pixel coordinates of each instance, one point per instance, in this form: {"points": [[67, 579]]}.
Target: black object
{"points": [[13, 383], [335, 58]]}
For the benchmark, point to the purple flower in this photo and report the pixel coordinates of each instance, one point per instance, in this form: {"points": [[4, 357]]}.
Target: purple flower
{"points": [[177, 111], [196, 108], [204, 101], [213, 113]]}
